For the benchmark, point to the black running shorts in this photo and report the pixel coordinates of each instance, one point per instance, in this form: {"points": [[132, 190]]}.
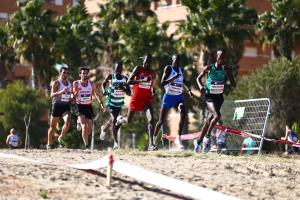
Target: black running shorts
{"points": [[85, 110], [217, 99], [58, 110]]}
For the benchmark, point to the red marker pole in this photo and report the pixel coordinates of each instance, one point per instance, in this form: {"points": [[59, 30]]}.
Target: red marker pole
{"points": [[109, 170]]}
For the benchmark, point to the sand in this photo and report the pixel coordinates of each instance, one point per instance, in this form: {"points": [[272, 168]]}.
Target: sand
{"points": [[244, 177]]}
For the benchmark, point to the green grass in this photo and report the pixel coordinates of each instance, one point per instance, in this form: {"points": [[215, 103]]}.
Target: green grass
{"points": [[44, 194]]}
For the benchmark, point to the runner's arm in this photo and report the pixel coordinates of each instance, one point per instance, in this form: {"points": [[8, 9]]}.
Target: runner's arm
{"points": [[186, 87], [166, 74], [97, 95], [230, 76], [127, 87], [54, 89], [75, 89], [104, 84], [131, 79], [199, 78]]}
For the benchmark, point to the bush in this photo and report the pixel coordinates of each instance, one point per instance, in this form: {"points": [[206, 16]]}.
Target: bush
{"points": [[16, 101], [280, 81]]}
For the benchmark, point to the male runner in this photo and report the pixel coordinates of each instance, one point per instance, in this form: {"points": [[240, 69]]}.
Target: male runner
{"points": [[83, 90], [61, 90], [173, 82], [114, 99], [213, 91], [142, 79]]}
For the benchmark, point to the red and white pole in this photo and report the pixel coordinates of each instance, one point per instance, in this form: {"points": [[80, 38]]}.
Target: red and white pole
{"points": [[109, 170]]}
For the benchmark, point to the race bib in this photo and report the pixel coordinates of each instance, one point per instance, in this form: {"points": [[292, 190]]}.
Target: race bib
{"points": [[85, 98], [65, 97], [216, 87], [175, 89], [145, 85], [118, 93]]}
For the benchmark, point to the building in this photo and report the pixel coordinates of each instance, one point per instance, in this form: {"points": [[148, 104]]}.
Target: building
{"points": [[7, 7]]}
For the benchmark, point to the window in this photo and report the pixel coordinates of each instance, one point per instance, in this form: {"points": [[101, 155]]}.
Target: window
{"points": [[56, 2], [3, 16], [250, 52], [164, 3], [74, 2]]}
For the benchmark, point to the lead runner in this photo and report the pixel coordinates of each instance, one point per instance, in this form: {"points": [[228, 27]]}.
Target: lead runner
{"points": [[213, 91]]}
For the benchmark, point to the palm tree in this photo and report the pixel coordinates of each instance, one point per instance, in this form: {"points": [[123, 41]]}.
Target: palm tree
{"points": [[76, 43], [32, 34], [214, 24], [7, 55], [129, 29], [280, 27]]}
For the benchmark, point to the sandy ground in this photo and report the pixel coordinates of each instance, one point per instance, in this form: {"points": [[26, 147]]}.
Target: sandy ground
{"points": [[245, 177]]}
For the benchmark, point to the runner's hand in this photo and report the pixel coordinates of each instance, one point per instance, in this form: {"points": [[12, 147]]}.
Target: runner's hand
{"points": [[103, 107], [191, 94], [104, 93], [145, 79], [202, 90], [65, 90]]}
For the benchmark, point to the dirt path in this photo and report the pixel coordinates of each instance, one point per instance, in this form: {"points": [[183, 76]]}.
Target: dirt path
{"points": [[245, 177]]}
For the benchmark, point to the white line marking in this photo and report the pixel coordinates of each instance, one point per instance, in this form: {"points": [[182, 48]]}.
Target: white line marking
{"points": [[177, 186]]}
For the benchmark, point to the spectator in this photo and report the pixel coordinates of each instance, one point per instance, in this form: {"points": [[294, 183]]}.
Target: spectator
{"points": [[290, 136], [13, 140], [221, 137], [248, 143]]}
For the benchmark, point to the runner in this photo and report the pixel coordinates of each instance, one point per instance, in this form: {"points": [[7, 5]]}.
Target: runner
{"points": [[61, 90], [83, 90], [142, 79], [213, 91], [173, 82], [114, 99]]}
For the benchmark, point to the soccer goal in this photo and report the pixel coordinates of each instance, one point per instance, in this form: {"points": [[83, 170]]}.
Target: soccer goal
{"points": [[247, 123]]}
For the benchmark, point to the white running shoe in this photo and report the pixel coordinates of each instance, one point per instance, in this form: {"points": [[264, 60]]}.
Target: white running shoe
{"points": [[116, 146], [103, 133], [120, 120], [178, 142]]}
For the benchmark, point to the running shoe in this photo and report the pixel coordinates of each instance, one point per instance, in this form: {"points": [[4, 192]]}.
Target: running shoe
{"points": [[120, 120], [49, 146], [206, 143], [152, 148], [197, 146], [103, 133], [178, 142], [61, 143], [116, 146], [87, 147]]}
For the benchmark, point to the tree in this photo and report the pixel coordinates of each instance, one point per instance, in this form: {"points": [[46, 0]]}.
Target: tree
{"points": [[214, 24], [7, 55], [280, 27], [128, 30], [17, 101], [76, 43], [32, 35], [280, 81]]}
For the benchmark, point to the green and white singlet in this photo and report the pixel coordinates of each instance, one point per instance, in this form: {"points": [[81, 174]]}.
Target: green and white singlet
{"points": [[116, 95], [216, 80]]}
